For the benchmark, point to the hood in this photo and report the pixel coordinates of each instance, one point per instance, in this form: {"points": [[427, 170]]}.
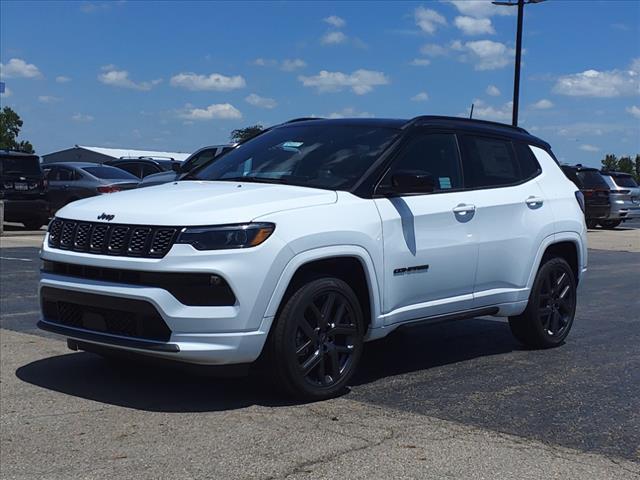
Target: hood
{"points": [[192, 203]]}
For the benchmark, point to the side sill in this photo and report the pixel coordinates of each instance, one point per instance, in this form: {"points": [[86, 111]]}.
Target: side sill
{"points": [[447, 317]]}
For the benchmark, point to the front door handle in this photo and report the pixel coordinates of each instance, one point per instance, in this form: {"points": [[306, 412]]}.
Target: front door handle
{"points": [[534, 202], [463, 209]]}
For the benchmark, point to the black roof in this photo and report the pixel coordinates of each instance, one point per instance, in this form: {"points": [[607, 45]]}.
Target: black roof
{"points": [[458, 123], [13, 153], [617, 174], [579, 168]]}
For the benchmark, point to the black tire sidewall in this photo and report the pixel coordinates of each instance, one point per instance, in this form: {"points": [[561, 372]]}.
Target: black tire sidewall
{"points": [[283, 355]]}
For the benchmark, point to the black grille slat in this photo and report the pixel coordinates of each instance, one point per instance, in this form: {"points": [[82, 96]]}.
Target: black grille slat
{"points": [[106, 239]]}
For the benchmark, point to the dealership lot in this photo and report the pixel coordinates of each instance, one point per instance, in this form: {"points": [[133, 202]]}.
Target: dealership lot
{"points": [[452, 400]]}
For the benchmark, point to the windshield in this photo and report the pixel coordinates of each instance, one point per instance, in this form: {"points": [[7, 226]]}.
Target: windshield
{"points": [[20, 166], [321, 156], [592, 179], [110, 173], [625, 181]]}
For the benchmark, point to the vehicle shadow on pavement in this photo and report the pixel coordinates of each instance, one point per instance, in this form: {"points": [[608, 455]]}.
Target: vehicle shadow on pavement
{"points": [[165, 389], [424, 347]]}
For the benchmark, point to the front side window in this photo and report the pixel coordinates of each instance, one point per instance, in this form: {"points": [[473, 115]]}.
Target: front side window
{"points": [[433, 157], [489, 162], [324, 156]]}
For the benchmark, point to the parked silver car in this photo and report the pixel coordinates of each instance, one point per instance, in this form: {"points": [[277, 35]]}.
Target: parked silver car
{"points": [[624, 196]]}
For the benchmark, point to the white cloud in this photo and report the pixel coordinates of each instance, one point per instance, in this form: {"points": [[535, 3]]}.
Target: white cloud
{"points": [[634, 110], [420, 97], [335, 21], [261, 102], [481, 8], [361, 81], [289, 65], [428, 20], [333, 38], [18, 68], [488, 112], [217, 111], [264, 62], [602, 84], [420, 62], [474, 26], [120, 78], [433, 50], [82, 118], [63, 79], [349, 112], [48, 99], [542, 104], [489, 55], [589, 148], [493, 91], [215, 81]]}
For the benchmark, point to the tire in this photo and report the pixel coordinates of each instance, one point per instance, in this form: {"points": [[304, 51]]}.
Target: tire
{"points": [[591, 224], [549, 315], [610, 224], [33, 224], [317, 340]]}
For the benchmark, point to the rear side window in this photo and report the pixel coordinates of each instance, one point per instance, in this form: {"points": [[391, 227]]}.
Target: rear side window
{"points": [[110, 173], [493, 162], [435, 155]]}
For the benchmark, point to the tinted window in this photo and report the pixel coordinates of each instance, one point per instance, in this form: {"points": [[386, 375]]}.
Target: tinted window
{"points": [[149, 168], [200, 159], [321, 156], [624, 181], [132, 168], [591, 179], [489, 162], [64, 175], [435, 156], [103, 171], [19, 165], [529, 166]]}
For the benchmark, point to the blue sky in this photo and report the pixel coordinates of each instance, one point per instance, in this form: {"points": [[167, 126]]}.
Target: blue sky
{"points": [[176, 76]]}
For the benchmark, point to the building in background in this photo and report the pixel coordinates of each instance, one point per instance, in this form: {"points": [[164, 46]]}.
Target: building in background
{"points": [[81, 153]]}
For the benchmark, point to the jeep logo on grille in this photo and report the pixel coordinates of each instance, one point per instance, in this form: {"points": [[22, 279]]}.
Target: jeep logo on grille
{"points": [[105, 216]]}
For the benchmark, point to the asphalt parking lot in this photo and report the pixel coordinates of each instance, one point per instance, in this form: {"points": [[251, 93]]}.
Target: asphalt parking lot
{"points": [[456, 400]]}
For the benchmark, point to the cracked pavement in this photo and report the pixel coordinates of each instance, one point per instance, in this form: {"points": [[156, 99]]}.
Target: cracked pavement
{"points": [[458, 400]]}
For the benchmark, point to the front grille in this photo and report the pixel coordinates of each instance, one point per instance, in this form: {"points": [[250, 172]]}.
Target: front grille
{"points": [[104, 314], [101, 238], [192, 289]]}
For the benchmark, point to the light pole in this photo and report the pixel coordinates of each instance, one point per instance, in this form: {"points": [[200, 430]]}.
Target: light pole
{"points": [[516, 76]]}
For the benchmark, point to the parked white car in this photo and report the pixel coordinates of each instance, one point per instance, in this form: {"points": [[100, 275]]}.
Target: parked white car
{"points": [[317, 236]]}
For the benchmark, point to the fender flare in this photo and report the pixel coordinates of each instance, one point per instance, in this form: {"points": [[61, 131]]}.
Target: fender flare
{"points": [[573, 237], [321, 253]]}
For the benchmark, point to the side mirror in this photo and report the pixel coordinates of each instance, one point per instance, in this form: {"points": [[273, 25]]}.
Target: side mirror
{"points": [[413, 182]]}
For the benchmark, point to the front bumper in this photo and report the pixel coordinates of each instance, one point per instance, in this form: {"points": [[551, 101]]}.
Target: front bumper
{"points": [[207, 335]]}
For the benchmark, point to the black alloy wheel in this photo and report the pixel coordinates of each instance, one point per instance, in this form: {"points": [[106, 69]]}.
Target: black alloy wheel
{"points": [[317, 340]]}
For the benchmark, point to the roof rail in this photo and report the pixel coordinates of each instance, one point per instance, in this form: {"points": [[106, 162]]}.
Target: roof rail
{"points": [[301, 119], [430, 118]]}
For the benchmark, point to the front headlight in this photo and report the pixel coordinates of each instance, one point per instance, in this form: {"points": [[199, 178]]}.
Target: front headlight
{"points": [[226, 236]]}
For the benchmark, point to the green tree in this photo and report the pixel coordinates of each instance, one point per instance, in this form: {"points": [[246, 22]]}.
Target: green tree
{"points": [[10, 125], [610, 162], [625, 164], [242, 134]]}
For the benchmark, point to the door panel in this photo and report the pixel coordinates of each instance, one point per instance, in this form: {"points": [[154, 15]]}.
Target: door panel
{"points": [[429, 253]]}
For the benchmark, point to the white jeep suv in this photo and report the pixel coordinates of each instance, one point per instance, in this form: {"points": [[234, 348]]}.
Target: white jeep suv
{"points": [[317, 236]]}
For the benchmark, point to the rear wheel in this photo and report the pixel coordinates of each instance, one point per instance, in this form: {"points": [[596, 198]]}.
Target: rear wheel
{"points": [[610, 224], [317, 340], [591, 224], [548, 318]]}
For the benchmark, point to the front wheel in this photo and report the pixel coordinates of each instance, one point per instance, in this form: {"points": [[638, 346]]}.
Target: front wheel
{"points": [[610, 224], [317, 340], [549, 314]]}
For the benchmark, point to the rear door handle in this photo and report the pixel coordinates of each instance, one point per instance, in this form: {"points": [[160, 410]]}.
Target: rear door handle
{"points": [[534, 202], [463, 209]]}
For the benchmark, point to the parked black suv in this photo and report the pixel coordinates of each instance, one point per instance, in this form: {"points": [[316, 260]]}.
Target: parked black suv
{"points": [[595, 191], [23, 189]]}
